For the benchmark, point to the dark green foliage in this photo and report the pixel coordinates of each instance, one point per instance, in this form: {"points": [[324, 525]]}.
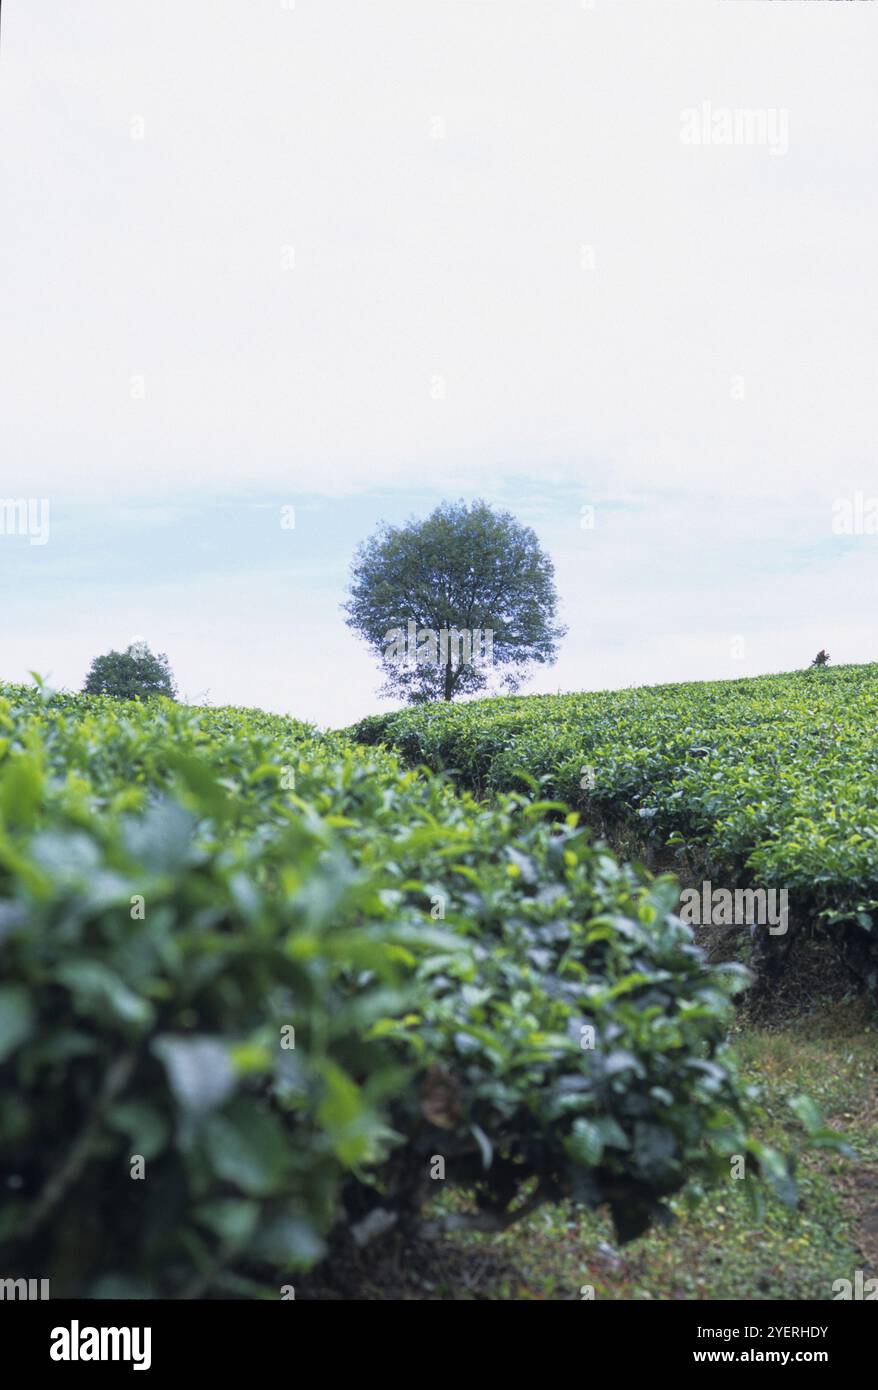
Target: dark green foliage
{"points": [[466, 568], [134, 674], [775, 778], [177, 887]]}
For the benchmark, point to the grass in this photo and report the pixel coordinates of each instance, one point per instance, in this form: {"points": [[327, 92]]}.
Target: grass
{"points": [[717, 1247]]}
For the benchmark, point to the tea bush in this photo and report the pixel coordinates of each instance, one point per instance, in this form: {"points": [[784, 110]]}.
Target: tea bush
{"points": [[181, 888], [775, 777]]}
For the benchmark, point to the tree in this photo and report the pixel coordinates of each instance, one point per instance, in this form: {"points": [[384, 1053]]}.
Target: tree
{"points": [[821, 658], [133, 674], [450, 601]]}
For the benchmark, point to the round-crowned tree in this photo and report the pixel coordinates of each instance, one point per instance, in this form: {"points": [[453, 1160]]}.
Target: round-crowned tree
{"points": [[461, 601], [136, 673]]}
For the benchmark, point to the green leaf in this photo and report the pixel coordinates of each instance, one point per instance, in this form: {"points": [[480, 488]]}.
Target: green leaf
{"points": [[200, 1071], [485, 1146], [98, 989], [21, 790], [805, 1110], [247, 1147], [233, 1219], [17, 1018], [288, 1241], [612, 1133], [144, 1124], [341, 1112], [586, 1143]]}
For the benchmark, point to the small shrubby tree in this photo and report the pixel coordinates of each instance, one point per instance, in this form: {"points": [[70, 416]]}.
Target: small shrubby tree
{"points": [[821, 659], [136, 673], [452, 600]]}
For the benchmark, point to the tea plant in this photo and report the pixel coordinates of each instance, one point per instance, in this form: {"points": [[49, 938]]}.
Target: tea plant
{"points": [[262, 988], [775, 778]]}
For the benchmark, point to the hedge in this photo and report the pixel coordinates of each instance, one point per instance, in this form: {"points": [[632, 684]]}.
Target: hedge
{"points": [[256, 980]]}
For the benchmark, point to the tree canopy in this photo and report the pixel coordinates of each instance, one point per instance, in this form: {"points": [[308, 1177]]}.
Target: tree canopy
{"points": [[455, 603], [136, 673]]}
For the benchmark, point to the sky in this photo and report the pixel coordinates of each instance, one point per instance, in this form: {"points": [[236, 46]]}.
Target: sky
{"points": [[356, 257]]}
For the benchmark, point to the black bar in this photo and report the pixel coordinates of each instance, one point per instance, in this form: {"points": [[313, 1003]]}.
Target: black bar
{"points": [[233, 1337]]}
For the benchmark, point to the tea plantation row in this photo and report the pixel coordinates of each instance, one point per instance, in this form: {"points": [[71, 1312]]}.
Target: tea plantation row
{"points": [[259, 987], [775, 777]]}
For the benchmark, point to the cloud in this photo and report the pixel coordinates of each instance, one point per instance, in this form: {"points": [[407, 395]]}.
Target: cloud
{"points": [[344, 259]]}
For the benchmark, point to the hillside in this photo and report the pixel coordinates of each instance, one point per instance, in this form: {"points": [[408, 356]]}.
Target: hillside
{"points": [[276, 1007], [770, 781]]}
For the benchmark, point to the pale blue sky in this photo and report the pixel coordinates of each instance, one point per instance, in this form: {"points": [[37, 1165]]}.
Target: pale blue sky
{"points": [[173, 373]]}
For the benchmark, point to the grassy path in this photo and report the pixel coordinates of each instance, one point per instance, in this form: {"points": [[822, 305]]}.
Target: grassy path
{"points": [[718, 1248]]}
